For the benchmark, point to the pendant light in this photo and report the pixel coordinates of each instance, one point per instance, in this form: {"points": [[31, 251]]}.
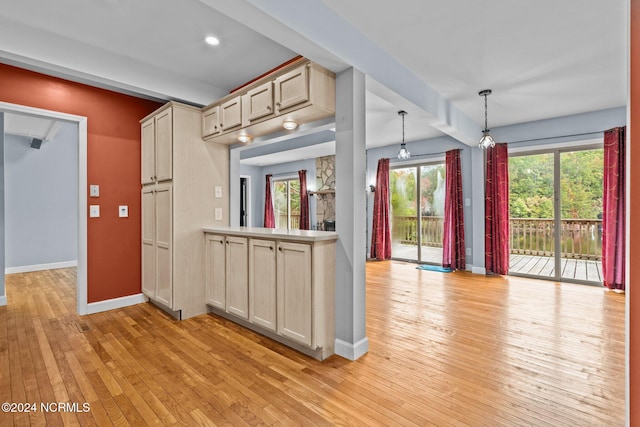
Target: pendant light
{"points": [[487, 140], [403, 154]]}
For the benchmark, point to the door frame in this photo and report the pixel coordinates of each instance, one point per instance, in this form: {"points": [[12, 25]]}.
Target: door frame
{"points": [[81, 121], [248, 196], [557, 149], [418, 164]]}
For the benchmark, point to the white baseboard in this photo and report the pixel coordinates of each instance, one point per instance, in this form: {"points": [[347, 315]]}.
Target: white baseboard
{"points": [[110, 304], [3, 300], [40, 267], [479, 270], [351, 351]]}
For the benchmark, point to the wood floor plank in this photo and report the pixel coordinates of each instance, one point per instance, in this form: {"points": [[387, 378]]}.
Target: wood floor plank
{"points": [[445, 349]]}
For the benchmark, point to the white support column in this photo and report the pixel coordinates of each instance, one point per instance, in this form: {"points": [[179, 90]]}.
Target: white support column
{"points": [[351, 340]]}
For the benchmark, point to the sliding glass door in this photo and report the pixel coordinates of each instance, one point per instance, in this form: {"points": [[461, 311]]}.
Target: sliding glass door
{"points": [[417, 209], [555, 204]]}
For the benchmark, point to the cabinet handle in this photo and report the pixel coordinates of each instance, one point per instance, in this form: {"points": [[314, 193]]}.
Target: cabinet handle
{"points": [[270, 248], [227, 242], [280, 248], [277, 104], [268, 107], [221, 242]]}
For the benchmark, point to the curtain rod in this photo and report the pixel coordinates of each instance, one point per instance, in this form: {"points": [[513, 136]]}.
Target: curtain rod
{"points": [[423, 155], [283, 174], [559, 136]]}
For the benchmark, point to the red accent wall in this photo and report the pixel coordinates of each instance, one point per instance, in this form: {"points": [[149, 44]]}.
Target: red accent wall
{"points": [[113, 162], [634, 220]]}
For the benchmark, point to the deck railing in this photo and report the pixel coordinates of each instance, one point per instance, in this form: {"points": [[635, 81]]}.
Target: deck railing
{"points": [[405, 230], [579, 238], [281, 221]]}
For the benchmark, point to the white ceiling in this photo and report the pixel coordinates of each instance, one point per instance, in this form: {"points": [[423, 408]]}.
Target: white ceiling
{"points": [[543, 59], [30, 126]]}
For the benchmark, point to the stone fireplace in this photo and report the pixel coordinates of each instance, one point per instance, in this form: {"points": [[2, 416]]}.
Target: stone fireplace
{"points": [[325, 193]]}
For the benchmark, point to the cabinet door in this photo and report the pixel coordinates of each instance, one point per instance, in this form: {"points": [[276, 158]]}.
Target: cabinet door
{"points": [[294, 291], [148, 151], [262, 283], [215, 271], [148, 242], [259, 102], [292, 89], [210, 121], [163, 233], [237, 279], [164, 145], [231, 114]]}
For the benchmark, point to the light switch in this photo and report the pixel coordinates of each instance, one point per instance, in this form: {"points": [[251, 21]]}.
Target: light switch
{"points": [[123, 211], [218, 192], [94, 190], [218, 214], [94, 211], [468, 251]]}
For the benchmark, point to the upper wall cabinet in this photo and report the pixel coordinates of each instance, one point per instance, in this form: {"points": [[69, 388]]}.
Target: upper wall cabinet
{"points": [[157, 146], [301, 91], [211, 121], [292, 89], [258, 103], [231, 114]]}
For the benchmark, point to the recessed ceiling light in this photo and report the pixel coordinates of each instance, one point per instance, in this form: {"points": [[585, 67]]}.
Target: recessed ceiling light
{"points": [[212, 41]]}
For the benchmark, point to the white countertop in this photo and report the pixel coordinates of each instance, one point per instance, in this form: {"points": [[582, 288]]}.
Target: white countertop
{"points": [[275, 233]]}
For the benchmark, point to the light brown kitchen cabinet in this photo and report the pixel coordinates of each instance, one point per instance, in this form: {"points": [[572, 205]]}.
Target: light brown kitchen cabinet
{"points": [[231, 114], [300, 91], [237, 276], [258, 103], [294, 291], [291, 284], [174, 206], [211, 121], [262, 283], [216, 271], [157, 145]]}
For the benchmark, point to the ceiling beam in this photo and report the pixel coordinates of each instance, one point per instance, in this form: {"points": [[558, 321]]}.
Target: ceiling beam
{"points": [[315, 31]]}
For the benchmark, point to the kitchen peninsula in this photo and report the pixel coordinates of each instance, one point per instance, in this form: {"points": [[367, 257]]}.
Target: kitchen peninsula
{"points": [[280, 283]]}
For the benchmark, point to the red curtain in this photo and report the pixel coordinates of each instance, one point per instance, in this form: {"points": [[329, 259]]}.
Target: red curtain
{"points": [[380, 232], [304, 200], [614, 208], [269, 216], [453, 248], [496, 222]]}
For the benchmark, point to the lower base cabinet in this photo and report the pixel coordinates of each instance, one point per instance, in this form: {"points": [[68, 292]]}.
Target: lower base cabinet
{"points": [[281, 288]]}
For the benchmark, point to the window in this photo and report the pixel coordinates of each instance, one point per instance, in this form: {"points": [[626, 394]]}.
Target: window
{"points": [[286, 203]]}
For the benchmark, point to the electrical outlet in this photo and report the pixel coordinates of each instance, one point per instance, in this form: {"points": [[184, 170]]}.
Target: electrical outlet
{"points": [[123, 211], [94, 190], [468, 251], [94, 211], [218, 192], [218, 214]]}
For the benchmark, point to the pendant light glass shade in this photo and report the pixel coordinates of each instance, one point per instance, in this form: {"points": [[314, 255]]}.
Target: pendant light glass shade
{"points": [[403, 154], [487, 140]]}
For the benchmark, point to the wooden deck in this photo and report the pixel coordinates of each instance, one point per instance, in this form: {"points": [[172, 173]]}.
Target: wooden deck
{"points": [[445, 349], [583, 270]]}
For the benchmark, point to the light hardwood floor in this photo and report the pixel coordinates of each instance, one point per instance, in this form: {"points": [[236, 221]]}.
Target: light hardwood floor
{"points": [[445, 349]]}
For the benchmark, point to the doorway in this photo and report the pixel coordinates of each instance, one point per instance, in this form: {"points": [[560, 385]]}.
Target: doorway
{"points": [[417, 210], [81, 122], [555, 204], [245, 201]]}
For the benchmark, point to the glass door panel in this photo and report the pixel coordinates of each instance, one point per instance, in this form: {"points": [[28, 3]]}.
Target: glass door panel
{"points": [[531, 211], [581, 189], [404, 227], [432, 191]]}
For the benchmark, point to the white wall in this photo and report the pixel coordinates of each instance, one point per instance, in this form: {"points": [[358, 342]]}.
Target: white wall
{"points": [[41, 197]]}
